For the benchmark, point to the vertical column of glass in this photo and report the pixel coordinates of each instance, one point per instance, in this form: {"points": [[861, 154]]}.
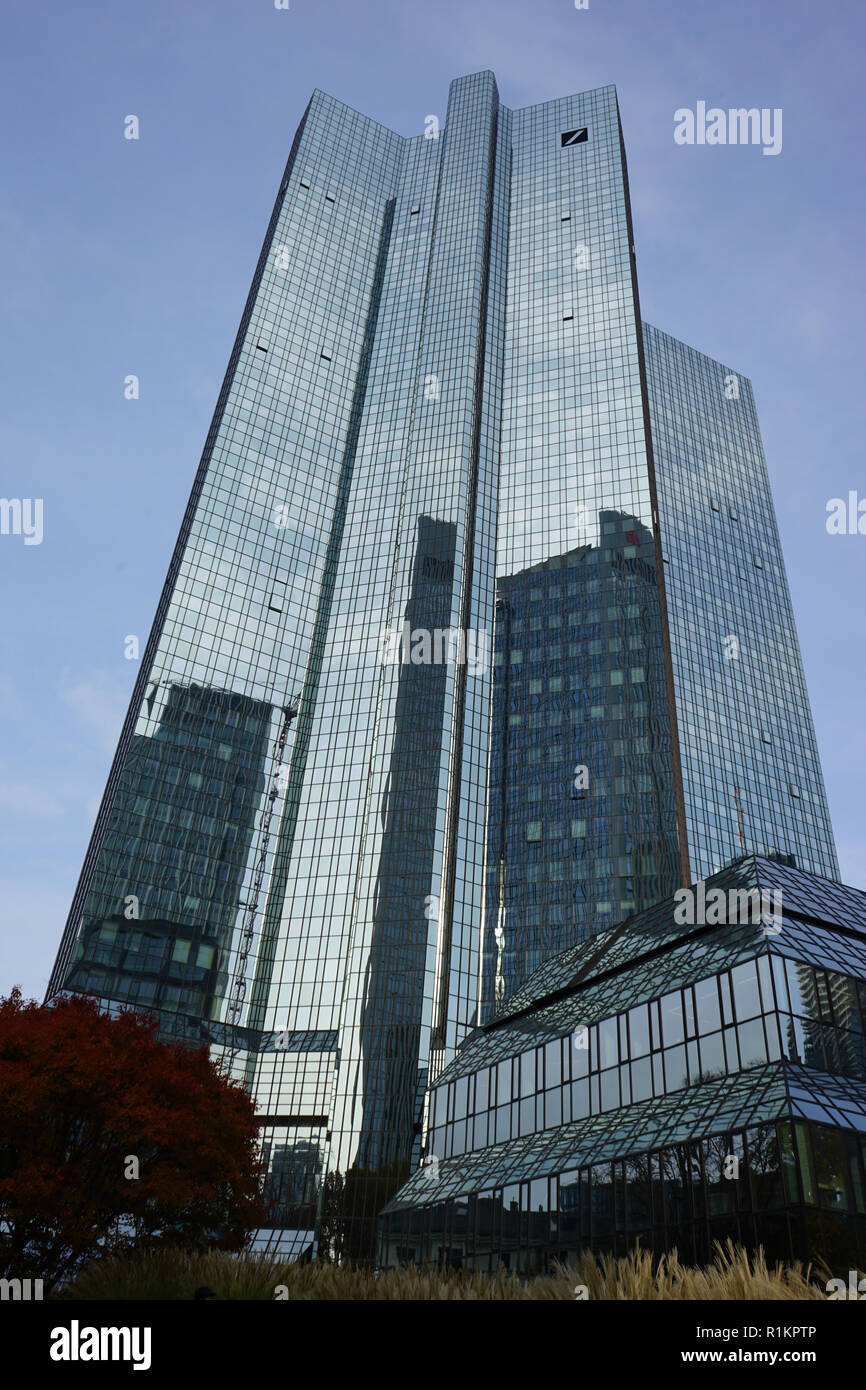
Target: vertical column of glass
{"points": [[456, 999], [751, 770], [315, 966], [580, 727], [208, 790], [402, 916], [301, 962]]}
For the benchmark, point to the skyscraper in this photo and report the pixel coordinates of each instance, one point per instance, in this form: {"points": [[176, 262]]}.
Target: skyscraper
{"points": [[435, 426]]}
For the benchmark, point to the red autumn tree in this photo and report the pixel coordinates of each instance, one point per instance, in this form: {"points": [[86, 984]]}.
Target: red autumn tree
{"points": [[111, 1139]]}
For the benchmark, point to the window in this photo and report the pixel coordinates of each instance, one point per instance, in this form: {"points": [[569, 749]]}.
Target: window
{"points": [[753, 1049], [707, 1002], [527, 1073], [672, 1018], [747, 999], [676, 1075], [503, 1081], [641, 1080], [638, 1024], [610, 1089], [533, 830], [607, 1043], [830, 1168], [712, 1055], [553, 1064]]}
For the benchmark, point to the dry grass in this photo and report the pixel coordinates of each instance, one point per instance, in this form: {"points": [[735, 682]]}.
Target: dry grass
{"points": [[174, 1274], [733, 1275]]}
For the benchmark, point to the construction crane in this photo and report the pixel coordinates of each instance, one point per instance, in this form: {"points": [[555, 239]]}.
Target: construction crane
{"points": [[238, 990]]}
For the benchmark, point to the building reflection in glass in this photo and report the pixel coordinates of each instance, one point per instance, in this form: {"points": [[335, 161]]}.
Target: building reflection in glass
{"points": [[161, 913], [582, 821]]}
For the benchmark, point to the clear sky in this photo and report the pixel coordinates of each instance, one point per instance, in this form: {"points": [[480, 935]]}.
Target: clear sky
{"points": [[124, 256]]}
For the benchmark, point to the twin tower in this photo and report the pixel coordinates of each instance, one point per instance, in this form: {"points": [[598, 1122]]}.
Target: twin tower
{"points": [[444, 415]]}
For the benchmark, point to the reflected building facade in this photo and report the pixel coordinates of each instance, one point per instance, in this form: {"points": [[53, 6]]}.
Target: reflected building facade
{"points": [[582, 827], [437, 419], [164, 899]]}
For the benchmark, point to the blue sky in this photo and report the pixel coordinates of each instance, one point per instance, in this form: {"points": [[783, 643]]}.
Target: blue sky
{"points": [[135, 257]]}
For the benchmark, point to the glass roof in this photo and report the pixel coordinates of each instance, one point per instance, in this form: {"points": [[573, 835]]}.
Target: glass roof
{"points": [[715, 949], [807, 895], [802, 895], [651, 954]]}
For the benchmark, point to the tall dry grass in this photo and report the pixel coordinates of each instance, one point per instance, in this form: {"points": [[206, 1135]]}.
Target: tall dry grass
{"points": [[175, 1275]]}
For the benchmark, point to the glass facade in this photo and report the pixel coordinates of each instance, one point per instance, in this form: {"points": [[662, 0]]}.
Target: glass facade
{"points": [[751, 773], [694, 1083], [582, 826], [798, 1192], [650, 717], [288, 860], [406, 718]]}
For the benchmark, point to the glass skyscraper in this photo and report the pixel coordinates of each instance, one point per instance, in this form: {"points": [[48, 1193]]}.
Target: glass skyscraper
{"points": [[752, 779], [439, 682]]}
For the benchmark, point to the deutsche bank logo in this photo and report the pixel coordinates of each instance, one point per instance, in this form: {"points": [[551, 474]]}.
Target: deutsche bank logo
{"points": [[574, 137]]}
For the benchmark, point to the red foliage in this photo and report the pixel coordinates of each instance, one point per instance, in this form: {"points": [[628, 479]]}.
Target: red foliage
{"points": [[81, 1092]]}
